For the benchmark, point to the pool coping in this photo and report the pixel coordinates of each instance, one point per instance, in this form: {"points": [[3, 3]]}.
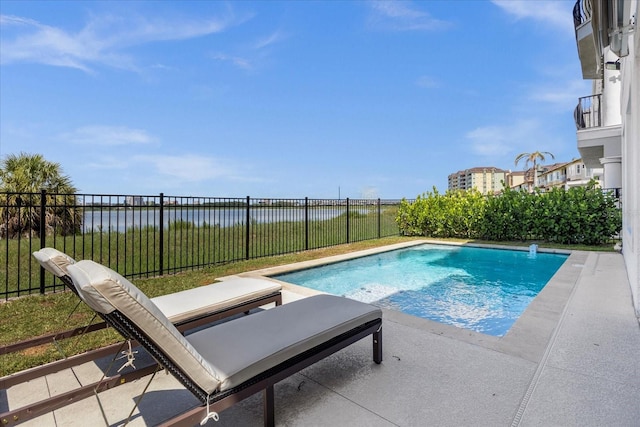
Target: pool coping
{"points": [[527, 338]]}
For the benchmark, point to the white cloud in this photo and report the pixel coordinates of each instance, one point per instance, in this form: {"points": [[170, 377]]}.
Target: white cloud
{"points": [[427, 82], [271, 39], [189, 167], [253, 55], [108, 163], [554, 13], [107, 136], [563, 96], [238, 61], [102, 41], [43, 44], [402, 16], [502, 141]]}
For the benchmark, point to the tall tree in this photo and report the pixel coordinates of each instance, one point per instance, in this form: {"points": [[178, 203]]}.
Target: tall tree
{"points": [[532, 158], [22, 177]]}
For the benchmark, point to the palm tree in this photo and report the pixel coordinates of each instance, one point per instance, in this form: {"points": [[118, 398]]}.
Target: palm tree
{"points": [[533, 158], [22, 178]]}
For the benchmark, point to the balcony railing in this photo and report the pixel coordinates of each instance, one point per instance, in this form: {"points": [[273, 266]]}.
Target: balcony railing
{"points": [[588, 113], [581, 12], [587, 40]]}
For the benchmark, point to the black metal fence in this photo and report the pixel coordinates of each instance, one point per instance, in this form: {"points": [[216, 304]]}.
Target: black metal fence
{"points": [[143, 236]]}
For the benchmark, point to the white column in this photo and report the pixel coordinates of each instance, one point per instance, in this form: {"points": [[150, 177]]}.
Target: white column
{"points": [[612, 175], [611, 92]]}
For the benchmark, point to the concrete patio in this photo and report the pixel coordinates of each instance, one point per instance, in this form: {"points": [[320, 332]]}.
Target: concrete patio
{"points": [[572, 359]]}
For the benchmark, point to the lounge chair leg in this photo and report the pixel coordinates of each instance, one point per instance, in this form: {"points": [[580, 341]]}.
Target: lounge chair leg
{"points": [[269, 404], [377, 346]]}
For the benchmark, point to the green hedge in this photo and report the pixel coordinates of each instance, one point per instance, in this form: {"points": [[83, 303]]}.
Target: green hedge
{"points": [[580, 215]]}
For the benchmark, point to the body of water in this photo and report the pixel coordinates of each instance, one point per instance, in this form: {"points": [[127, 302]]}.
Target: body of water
{"points": [[119, 220]]}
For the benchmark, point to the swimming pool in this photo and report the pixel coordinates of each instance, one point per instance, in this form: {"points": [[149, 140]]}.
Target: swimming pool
{"points": [[484, 290]]}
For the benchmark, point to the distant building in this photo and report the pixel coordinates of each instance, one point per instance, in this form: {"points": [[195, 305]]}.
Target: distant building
{"points": [[515, 179], [550, 176], [489, 180], [566, 175], [486, 180], [134, 201], [521, 180], [579, 174]]}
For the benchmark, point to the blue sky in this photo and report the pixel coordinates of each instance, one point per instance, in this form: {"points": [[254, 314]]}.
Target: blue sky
{"points": [[286, 99]]}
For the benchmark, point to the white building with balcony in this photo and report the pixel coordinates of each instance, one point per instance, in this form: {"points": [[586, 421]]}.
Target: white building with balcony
{"points": [[570, 174], [551, 176], [607, 121], [579, 175]]}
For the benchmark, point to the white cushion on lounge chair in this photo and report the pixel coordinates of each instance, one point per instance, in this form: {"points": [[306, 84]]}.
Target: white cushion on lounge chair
{"points": [[187, 304], [199, 301], [245, 347], [54, 261], [104, 290]]}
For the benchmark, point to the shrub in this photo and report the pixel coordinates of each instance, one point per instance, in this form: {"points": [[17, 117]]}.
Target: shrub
{"points": [[580, 215], [453, 214]]}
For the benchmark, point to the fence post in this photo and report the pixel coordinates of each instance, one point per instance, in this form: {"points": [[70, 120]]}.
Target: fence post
{"points": [[379, 218], [306, 223], [348, 220], [247, 238], [43, 232], [161, 232]]}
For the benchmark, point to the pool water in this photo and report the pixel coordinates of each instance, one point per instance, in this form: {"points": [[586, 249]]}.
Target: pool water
{"points": [[484, 290]]}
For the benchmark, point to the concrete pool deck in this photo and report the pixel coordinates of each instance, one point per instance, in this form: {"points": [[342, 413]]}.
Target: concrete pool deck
{"points": [[572, 359]]}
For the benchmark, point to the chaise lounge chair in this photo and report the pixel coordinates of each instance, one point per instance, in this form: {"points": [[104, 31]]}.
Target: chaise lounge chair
{"points": [[186, 309], [226, 363]]}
